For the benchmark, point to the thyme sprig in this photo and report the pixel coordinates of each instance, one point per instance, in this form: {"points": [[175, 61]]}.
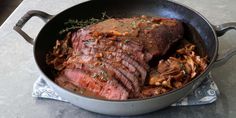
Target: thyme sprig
{"points": [[73, 24]]}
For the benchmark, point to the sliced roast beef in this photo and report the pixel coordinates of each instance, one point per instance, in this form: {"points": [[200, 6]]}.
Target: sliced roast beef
{"points": [[110, 89], [117, 62], [121, 47], [120, 77]]}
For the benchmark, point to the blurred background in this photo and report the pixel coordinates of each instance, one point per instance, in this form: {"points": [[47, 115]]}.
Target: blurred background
{"points": [[6, 8]]}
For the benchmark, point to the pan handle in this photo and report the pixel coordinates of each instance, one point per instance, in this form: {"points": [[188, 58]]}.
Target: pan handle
{"points": [[220, 31], [18, 27]]}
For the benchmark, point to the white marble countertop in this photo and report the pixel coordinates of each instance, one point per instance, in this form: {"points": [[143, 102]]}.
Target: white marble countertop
{"points": [[18, 70]]}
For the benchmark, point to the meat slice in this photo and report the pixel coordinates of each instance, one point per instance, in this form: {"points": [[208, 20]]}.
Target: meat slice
{"points": [[110, 89]]}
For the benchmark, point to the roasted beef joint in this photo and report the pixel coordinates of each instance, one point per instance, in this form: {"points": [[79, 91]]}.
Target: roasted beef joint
{"points": [[110, 58]]}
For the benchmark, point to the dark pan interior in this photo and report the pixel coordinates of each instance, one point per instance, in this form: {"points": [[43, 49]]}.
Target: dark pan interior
{"points": [[206, 41]]}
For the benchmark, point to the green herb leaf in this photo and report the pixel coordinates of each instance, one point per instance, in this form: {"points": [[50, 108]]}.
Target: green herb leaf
{"points": [[127, 40], [133, 24], [74, 24]]}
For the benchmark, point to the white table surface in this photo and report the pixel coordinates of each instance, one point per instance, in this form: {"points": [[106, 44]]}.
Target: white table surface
{"points": [[18, 70]]}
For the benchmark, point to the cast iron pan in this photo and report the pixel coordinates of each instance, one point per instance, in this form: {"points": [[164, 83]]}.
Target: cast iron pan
{"points": [[202, 30]]}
